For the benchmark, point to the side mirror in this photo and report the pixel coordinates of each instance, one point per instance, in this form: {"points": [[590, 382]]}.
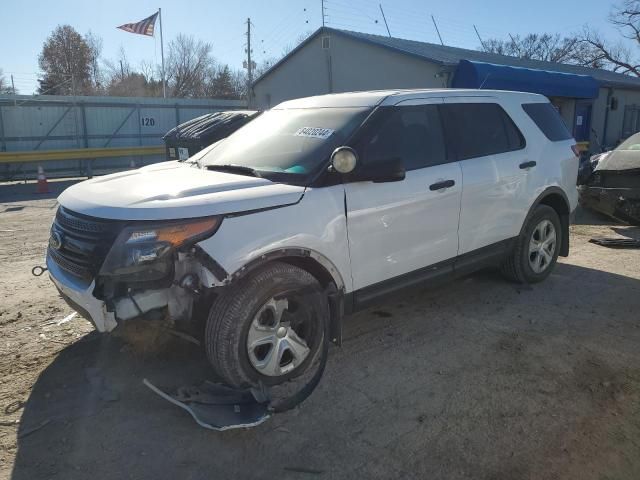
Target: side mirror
{"points": [[391, 170], [344, 160]]}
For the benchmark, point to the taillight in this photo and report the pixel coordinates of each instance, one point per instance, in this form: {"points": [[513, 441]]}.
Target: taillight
{"points": [[576, 150]]}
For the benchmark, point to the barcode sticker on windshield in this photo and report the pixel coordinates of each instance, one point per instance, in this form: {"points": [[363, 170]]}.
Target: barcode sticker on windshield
{"points": [[314, 132]]}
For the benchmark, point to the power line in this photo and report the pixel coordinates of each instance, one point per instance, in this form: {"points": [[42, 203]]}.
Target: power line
{"points": [[349, 10], [414, 21]]}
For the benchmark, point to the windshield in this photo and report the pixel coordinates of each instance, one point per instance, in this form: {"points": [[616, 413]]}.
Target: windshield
{"points": [[287, 145]]}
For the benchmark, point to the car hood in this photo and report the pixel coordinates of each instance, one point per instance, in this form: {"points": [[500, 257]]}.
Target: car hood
{"points": [[172, 190], [618, 160]]}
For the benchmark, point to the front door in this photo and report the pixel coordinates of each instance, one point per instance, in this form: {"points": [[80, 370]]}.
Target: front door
{"points": [[582, 124], [400, 227]]}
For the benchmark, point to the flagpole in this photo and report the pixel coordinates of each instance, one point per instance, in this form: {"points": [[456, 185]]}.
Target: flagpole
{"points": [[164, 83]]}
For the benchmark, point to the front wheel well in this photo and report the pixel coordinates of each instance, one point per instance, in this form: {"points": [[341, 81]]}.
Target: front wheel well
{"points": [[318, 266], [557, 202], [312, 266]]}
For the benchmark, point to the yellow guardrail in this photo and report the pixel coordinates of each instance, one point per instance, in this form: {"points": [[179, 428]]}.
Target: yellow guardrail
{"points": [[77, 153]]}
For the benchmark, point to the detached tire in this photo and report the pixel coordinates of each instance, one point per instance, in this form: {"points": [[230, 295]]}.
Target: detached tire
{"points": [[536, 250], [268, 327]]}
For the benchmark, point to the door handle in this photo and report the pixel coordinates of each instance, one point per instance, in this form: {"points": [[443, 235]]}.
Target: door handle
{"points": [[441, 185], [528, 164]]}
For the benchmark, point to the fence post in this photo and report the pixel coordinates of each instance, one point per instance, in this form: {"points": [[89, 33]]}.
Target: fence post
{"points": [[3, 145], [139, 131], [85, 139]]}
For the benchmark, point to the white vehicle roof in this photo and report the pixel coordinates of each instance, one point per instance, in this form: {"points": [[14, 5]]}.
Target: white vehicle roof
{"points": [[392, 97]]}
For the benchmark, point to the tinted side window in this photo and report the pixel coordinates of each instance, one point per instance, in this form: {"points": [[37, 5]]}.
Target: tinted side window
{"points": [[479, 129], [412, 133], [548, 120]]}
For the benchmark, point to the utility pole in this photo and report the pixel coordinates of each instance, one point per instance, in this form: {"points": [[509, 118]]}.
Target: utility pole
{"points": [[322, 7], [479, 38], [437, 31], [13, 87], [385, 20], [249, 64], [121, 70]]}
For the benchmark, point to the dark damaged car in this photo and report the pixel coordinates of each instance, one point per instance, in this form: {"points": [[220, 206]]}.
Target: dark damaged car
{"points": [[610, 182]]}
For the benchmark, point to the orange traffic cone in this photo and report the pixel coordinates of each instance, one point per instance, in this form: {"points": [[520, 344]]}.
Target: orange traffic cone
{"points": [[43, 186]]}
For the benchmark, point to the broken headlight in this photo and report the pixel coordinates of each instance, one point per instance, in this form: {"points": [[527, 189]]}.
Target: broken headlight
{"points": [[145, 252]]}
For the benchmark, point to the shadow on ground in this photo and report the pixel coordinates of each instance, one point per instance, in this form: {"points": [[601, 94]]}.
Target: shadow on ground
{"points": [[478, 379], [585, 216]]}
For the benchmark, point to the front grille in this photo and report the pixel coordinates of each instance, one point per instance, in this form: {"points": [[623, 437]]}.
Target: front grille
{"points": [[77, 268], [85, 242]]}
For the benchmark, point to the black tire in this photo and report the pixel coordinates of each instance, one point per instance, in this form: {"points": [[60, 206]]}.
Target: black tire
{"points": [[232, 314], [517, 267]]}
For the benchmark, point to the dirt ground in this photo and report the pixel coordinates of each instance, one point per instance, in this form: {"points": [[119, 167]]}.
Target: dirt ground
{"points": [[480, 379]]}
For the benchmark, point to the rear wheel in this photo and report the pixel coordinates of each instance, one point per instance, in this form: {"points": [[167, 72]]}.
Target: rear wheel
{"points": [[537, 248], [269, 328]]}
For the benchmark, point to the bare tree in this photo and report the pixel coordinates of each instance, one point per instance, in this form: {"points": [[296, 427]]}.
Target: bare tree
{"points": [[95, 51], [191, 72], [239, 82], [265, 65], [149, 71], [612, 55], [5, 86], [290, 46], [545, 46], [118, 69], [189, 66], [125, 81], [134, 84]]}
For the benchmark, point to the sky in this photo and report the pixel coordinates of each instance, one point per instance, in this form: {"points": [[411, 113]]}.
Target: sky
{"points": [[276, 24]]}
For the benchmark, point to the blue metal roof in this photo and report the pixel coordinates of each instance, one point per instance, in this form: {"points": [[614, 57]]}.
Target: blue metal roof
{"points": [[502, 77]]}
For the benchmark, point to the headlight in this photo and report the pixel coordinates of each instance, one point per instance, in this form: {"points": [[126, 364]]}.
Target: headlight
{"points": [[145, 252]]}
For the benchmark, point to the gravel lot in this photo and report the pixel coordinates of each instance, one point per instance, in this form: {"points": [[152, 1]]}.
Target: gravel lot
{"points": [[480, 379]]}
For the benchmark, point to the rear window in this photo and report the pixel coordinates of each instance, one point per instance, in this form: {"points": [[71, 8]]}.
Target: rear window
{"points": [[547, 118], [480, 129]]}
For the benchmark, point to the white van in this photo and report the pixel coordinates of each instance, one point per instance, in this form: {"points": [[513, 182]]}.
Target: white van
{"points": [[315, 209]]}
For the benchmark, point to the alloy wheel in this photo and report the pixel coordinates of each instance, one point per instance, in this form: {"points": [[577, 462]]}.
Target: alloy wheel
{"points": [[277, 337], [542, 246]]}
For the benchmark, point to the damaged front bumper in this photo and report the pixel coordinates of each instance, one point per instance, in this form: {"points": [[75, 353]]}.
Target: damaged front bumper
{"points": [[79, 296], [620, 203], [175, 297]]}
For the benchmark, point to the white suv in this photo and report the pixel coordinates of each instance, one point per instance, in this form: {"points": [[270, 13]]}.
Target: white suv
{"points": [[315, 209]]}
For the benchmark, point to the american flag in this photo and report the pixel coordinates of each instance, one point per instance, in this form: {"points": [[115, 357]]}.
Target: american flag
{"points": [[143, 27]]}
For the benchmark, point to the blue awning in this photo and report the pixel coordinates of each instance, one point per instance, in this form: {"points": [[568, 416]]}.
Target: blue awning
{"points": [[501, 77]]}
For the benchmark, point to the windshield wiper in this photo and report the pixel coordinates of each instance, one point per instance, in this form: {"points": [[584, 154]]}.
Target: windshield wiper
{"points": [[239, 169]]}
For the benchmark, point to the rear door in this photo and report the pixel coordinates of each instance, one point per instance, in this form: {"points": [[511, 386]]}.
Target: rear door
{"points": [[400, 227], [493, 158]]}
